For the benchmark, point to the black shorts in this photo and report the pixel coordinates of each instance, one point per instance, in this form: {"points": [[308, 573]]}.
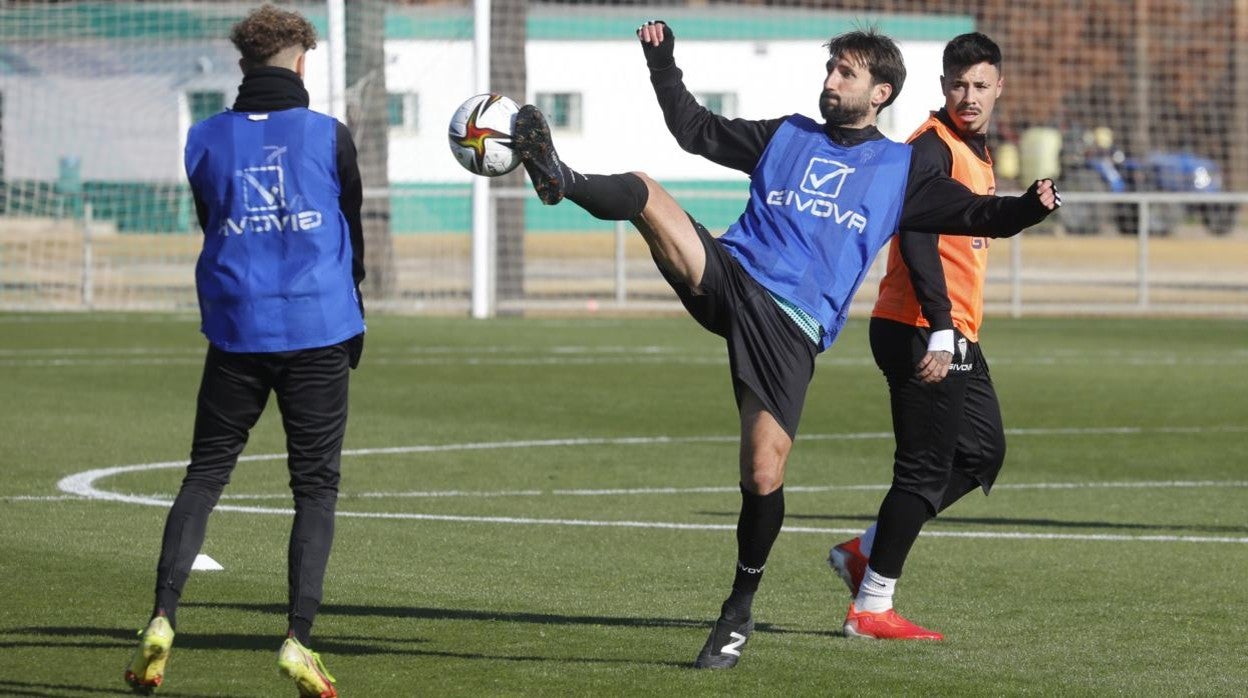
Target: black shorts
{"points": [[768, 353], [953, 425]]}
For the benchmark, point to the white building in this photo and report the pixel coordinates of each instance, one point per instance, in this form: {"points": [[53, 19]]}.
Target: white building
{"points": [[118, 106]]}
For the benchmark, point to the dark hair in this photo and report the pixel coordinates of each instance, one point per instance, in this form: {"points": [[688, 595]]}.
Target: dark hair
{"points": [[966, 50], [877, 52], [267, 31]]}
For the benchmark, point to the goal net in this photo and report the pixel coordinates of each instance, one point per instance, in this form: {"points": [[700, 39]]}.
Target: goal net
{"points": [[1139, 109]]}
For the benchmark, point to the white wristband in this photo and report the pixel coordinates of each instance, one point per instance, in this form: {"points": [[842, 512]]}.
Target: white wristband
{"points": [[941, 340]]}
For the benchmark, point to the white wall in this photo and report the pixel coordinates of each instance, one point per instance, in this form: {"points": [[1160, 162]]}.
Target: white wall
{"points": [[623, 127], [122, 128], [140, 137], [48, 117], [315, 77], [440, 72]]}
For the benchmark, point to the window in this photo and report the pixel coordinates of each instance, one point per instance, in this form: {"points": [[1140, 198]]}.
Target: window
{"points": [[562, 109], [402, 109], [721, 103], [205, 104]]}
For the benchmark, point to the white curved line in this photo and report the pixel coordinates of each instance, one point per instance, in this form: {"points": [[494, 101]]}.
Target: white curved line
{"points": [[84, 485]]}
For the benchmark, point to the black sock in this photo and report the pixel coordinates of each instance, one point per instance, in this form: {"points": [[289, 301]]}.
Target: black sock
{"points": [[902, 515], [617, 197], [301, 630], [738, 605], [757, 529]]}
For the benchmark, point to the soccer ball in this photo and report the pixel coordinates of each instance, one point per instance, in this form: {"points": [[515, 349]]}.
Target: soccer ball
{"points": [[480, 135]]}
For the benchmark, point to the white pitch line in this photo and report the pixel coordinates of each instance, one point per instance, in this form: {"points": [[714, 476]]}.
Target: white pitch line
{"points": [[559, 360], [661, 440], [434, 494], [677, 526], [648, 491], [74, 317], [37, 353], [83, 485], [565, 355], [43, 363], [449, 493], [1137, 484]]}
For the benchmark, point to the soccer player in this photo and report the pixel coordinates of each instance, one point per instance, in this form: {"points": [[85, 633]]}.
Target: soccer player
{"points": [[278, 194], [925, 339], [824, 198]]}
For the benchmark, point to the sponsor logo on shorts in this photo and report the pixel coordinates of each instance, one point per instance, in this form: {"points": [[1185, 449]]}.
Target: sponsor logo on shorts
{"points": [[960, 362]]}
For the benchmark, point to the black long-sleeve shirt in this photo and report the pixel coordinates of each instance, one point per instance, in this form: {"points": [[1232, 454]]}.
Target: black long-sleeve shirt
{"points": [[934, 203]]}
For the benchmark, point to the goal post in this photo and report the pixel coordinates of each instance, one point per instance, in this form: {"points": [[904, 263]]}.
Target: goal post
{"points": [[484, 295]]}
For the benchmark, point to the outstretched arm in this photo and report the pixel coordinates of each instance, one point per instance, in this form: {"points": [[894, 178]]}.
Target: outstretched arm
{"points": [[735, 143], [936, 203]]}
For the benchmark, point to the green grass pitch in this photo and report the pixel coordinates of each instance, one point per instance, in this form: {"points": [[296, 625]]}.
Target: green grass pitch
{"points": [[546, 507]]}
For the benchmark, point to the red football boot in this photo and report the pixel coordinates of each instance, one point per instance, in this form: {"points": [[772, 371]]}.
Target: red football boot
{"points": [[886, 625], [848, 561]]}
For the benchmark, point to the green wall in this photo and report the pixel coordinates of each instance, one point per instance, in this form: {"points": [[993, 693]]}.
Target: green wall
{"points": [[414, 209]]}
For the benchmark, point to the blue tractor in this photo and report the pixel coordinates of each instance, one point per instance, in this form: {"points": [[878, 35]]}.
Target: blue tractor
{"points": [[1094, 164]]}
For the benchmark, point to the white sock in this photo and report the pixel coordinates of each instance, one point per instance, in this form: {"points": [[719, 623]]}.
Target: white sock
{"points": [[876, 593], [866, 540]]}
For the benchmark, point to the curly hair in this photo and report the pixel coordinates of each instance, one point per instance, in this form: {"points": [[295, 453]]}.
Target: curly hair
{"points": [[267, 31]]}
